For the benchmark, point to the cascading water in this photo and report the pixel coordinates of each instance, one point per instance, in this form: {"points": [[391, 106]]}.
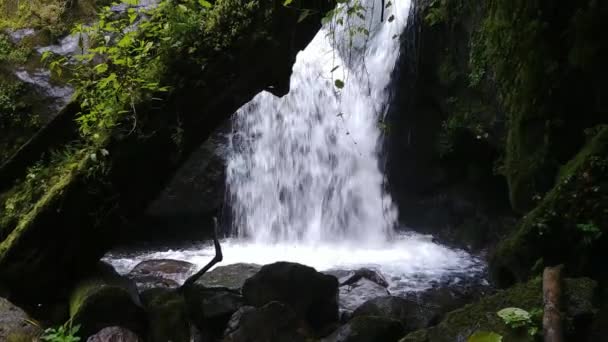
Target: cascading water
{"points": [[303, 176]]}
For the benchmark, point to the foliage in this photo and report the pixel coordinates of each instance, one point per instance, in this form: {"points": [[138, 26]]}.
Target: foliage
{"points": [[590, 231], [437, 13], [10, 53], [64, 333], [517, 318], [485, 336]]}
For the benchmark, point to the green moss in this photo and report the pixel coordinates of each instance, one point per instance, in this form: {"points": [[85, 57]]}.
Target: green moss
{"points": [[552, 230], [481, 316], [167, 315]]}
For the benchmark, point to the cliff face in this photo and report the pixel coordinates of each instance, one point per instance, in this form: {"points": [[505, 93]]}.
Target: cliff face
{"points": [[506, 97], [57, 223]]}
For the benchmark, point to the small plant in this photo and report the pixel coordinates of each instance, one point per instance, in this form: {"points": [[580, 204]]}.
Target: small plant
{"points": [[590, 232], [64, 333], [517, 318]]}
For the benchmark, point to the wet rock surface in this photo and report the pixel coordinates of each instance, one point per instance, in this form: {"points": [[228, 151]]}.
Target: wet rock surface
{"points": [[15, 324], [412, 314], [114, 334], [272, 322], [352, 296], [164, 273], [367, 329], [231, 276], [312, 295]]}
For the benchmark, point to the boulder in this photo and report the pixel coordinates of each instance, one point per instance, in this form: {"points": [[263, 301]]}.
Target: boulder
{"points": [[367, 329], [164, 273], [413, 315], [312, 295], [578, 298], [359, 292], [231, 276], [235, 319], [369, 274], [106, 299], [114, 334], [167, 315], [15, 324], [273, 322], [211, 308]]}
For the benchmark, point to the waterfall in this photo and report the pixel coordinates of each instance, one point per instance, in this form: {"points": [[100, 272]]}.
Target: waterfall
{"points": [[304, 168]]}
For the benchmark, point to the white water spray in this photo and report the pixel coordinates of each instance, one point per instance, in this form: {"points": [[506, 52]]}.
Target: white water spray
{"points": [[304, 168]]}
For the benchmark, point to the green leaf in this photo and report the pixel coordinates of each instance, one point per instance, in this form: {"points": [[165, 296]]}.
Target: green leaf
{"points": [[205, 3], [303, 15], [287, 2], [101, 68], [515, 317], [339, 84], [484, 336]]}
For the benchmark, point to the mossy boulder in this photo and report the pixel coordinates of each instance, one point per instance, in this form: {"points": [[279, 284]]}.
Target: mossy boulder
{"points": [[482, 316], [106, 299], [232, 276], [568, 226], [16, 325], [168, 317]]}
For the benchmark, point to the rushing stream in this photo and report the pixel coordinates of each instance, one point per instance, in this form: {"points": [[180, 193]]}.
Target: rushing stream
{"points": [[303, 175]]}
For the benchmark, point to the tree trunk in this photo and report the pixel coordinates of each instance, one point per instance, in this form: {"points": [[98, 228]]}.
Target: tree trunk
{"points": [[552, 292]]}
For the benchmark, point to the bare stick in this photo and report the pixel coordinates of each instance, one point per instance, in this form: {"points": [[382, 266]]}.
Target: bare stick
{"points": [[552, 292], [217, 258]]}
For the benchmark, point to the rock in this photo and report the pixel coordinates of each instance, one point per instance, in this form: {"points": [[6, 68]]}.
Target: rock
{"points": [[114, 334], [235, 319], [368, 329], [352, 296], [579, 297], [164, 273], [212, 308], [231, 276], [106, 299], [312, 295], [273, 322], [412, 315], [361, 273], [167, 314], [15, 324]]}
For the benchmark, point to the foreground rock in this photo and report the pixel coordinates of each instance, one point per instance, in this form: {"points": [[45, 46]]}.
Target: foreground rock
{"points": [[114, 334], [273, 322], [231, 276], [106, 299], [164, 273], [312, 295], [168, 318], [15, 324], [411, 314], [210, 309], [368, 329], [579, 306], [355, 294]]}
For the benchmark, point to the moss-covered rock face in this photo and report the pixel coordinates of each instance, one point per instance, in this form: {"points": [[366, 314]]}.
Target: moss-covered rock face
{"points": [[167, 316], [106, 299], [482, 316], [568, 226], [239, 49]]}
